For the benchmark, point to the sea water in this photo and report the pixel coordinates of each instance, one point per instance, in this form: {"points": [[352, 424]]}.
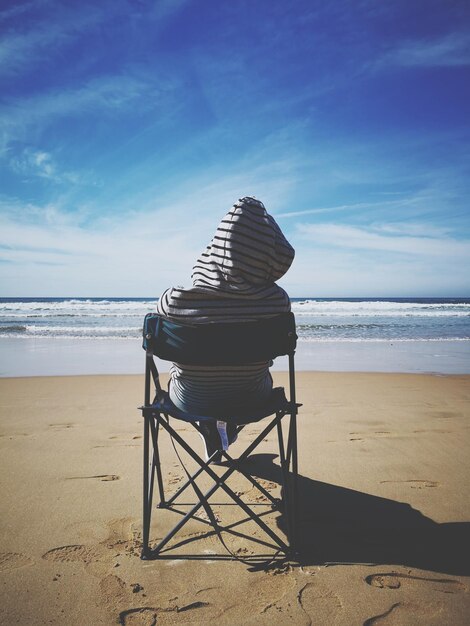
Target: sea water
{"points": [[414, 334], [318, 319]]}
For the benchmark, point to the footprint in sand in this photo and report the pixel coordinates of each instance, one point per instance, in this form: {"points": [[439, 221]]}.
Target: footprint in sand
{"points": [[382, 617], [147, 616], [120, 445], [13, 560], [444, 415], [422, 613], [174, 478], [74, 553], [315, 600], [61, 426], [102, 477], [142, 616], [411, 612], [414, 484], [260, 497], [121, 535], [113, 589], [395, 580], [122, 440], [376, 434], [115, 593], [267, 484]]}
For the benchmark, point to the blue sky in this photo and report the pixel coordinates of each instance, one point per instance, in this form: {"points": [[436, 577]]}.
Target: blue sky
{"points": [[128, 128]]}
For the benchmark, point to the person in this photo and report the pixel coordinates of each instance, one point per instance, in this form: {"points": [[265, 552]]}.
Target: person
{"points": [[233, 281]]}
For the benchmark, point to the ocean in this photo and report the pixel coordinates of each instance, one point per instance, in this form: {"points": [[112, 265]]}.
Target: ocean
{"points": [[378, 334], [318, 319]]}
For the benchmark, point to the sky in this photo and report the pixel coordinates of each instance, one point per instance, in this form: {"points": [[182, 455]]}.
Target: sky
{"points": [[128, 128]]}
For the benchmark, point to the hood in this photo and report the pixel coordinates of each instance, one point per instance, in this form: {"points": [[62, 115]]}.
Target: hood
{"points": [[248, 250]]}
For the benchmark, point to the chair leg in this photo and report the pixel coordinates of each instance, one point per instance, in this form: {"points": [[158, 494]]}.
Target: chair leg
{"points": [[286, 487], [155, 429], [146, 495], [289, 473], [294, 479], [152, 467]]}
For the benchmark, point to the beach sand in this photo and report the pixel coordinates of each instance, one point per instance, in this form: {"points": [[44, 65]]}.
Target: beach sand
{"points": [[385, 509]]}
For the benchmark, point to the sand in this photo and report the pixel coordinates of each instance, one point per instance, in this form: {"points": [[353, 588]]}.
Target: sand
{"points": [[385, 512]]}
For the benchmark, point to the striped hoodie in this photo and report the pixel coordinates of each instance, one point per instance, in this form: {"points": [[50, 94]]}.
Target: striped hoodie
{"points": [[233, 281]]}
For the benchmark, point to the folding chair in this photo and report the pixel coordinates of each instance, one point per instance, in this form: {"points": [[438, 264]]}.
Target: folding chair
{"points": [[219, 344]]}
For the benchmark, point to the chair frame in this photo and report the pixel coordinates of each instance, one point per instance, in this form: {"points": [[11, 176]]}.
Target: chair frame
{"points": [[157, 419]]}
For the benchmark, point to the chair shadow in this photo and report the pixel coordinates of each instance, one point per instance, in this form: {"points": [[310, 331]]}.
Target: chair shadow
{"points": [[343, 526]]}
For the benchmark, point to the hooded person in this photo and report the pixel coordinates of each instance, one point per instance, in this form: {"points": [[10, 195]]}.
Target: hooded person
{"points": [[233, 281]]}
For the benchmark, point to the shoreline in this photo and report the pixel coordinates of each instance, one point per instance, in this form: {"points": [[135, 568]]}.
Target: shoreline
{"points": [[59, 356], [164, 375]]}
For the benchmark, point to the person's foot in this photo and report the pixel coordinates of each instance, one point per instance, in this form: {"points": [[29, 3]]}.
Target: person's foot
{"points": [[212, 442]]}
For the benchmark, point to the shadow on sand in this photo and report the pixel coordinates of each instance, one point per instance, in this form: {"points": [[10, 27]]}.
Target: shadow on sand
{"points": [[338, 525]]}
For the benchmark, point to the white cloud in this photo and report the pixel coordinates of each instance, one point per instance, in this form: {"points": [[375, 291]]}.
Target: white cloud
{"points": [[52, 250], [387, 238], [111, 92], [333, 272], [383, 259], [49, 251], [413, 229], [32, 163], [57, 255], [341, 207], [104, 95], [56, 25], [163, 9], [18, 9], [56, 29], [448, 51]]}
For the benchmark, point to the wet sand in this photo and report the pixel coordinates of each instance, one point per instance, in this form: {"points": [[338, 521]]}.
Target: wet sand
{"points": [[56, 356]]}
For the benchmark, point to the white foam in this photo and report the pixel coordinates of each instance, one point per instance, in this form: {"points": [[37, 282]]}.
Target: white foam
{"points": [[81, 306], [378, 339], [336, 308]]}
